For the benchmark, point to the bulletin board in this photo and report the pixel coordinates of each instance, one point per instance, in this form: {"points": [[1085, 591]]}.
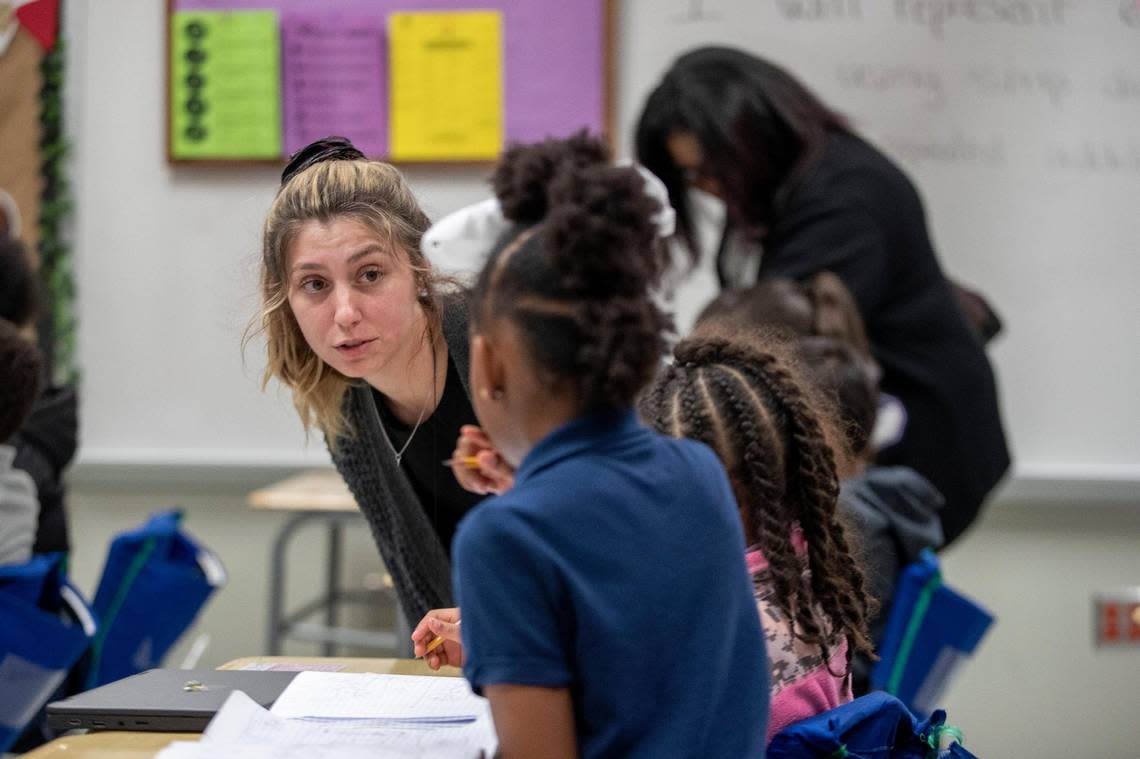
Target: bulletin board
{"points": [[405, 80]]}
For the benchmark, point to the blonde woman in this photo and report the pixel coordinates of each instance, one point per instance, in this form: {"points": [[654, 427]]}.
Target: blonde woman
{"points": [[373, 346]]}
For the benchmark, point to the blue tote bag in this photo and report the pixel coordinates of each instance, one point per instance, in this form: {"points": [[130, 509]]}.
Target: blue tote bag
{"points": [[874, 726], [155, 581], [45, 626], [931, 631]]}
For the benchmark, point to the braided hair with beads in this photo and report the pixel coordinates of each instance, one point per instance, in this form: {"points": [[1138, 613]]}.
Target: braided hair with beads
{"points": [[744, 398]]}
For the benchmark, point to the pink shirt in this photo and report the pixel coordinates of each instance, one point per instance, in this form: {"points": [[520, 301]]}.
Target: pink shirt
{"points": [[801, 685]]}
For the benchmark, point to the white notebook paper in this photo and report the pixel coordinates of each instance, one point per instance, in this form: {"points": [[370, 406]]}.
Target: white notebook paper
{"points": [[350, 716], [348, 695]]}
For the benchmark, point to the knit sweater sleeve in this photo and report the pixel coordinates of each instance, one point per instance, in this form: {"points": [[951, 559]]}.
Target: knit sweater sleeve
{"points": [[412, 552], [409, 546]]}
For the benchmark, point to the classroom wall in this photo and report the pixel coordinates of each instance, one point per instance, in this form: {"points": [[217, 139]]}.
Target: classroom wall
{"points": [[1038, 687], [178, 244], [166, 261]]}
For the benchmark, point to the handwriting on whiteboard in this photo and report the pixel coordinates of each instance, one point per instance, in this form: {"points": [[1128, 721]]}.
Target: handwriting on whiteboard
{"points": [[937, 14]]}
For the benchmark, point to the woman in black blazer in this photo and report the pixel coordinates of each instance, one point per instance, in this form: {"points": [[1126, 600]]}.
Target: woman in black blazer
{"points": [[802, 188]]}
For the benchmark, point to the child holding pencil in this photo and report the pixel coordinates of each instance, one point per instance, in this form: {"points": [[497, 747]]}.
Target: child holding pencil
{"points": [[605, 599]]}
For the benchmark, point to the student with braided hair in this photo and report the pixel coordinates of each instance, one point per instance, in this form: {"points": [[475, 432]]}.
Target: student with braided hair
{"points": [[605, 599], [893, 510], [746, 399]]}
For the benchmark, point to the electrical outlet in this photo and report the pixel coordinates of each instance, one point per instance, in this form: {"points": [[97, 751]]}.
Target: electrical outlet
{"points": [[1116, 618]]}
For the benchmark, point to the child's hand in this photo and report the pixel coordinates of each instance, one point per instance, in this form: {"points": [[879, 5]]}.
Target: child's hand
{"points": [[493, 474], [439, 623]]}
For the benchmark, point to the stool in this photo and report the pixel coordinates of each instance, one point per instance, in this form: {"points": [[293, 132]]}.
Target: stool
{"points": [[320, 497]]}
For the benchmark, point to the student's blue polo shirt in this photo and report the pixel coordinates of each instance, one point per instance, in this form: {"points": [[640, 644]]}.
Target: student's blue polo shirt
{"points": [[615, 567]]}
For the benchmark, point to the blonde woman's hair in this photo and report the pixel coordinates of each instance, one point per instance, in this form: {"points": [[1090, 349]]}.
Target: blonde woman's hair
{"points": [[375, 195]]}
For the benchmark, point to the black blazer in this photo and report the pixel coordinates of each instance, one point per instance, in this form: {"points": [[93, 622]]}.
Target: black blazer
{"points": [[856, 214]]}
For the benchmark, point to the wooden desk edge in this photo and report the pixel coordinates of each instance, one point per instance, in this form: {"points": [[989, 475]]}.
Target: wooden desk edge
{"points": [[377, 665], [321, 490]]}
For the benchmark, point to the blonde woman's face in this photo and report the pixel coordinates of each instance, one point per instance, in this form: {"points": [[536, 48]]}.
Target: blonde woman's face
{"points": [[354, 298]]}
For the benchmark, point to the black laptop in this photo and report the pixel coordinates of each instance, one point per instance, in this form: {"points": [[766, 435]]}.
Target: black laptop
{"points": [[166, 700]]}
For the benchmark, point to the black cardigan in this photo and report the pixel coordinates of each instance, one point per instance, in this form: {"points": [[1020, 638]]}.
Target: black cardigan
{"points": [[856, 214], [45, 446], [416, 559]]}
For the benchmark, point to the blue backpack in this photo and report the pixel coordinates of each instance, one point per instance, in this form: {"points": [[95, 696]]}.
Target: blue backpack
{"points": [[931, 630], [154, 583], [45, 626], [874, 726]]}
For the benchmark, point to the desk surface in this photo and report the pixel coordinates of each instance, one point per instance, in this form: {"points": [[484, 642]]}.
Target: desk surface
{"points": [[109, 745], [317, 490], [345, 664], [114, 744]]}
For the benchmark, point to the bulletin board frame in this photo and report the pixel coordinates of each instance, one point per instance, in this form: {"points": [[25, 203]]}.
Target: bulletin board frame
{"points": [[607, 16]]}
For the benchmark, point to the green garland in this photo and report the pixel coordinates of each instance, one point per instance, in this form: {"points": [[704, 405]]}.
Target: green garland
{"points": [[55, 253]]}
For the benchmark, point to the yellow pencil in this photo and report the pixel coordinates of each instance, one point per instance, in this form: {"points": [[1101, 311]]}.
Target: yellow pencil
{"points": [[432, 646], [435, 643], [471, 462]]}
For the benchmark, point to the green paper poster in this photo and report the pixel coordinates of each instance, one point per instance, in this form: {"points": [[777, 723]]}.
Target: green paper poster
{"points": [[225, 84]]}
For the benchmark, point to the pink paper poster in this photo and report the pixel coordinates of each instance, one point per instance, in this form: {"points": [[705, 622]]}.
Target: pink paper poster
{"points": [[333, 71]]}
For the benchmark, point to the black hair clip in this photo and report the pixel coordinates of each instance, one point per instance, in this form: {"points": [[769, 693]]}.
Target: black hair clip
{"points": [[327, 149]]}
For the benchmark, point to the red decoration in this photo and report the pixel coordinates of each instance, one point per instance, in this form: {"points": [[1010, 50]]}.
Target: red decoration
{"points": [[1110, 624], [41, 19]]}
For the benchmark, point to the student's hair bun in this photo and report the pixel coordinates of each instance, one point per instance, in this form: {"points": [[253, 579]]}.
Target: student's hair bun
{"points": [[600, 232], [523, 176], [576, 271]]}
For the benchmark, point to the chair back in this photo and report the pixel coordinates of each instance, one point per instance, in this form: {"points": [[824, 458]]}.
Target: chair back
{"points": [[45, 626], [931, 631], [155, 581]]}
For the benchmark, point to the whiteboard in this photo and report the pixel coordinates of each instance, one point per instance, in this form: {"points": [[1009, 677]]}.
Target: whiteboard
{"points": [[1021, 131], [1019, 120]]}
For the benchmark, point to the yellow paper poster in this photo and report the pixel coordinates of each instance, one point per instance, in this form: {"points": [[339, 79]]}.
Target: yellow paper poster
{"points": [[446, 86], [225, 84]]}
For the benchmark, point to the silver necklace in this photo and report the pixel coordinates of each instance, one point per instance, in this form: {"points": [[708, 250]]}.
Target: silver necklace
{"points": [[423, 410], [400, 453]]}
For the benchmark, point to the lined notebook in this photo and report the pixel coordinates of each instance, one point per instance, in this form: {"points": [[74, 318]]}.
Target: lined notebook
{"points": [[349, 715]]}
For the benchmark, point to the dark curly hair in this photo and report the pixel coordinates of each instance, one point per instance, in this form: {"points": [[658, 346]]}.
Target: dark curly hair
{"points": [[745, 399], [19, 378], [760, 129], [849, 380], [19, 290], [574, 273]]}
